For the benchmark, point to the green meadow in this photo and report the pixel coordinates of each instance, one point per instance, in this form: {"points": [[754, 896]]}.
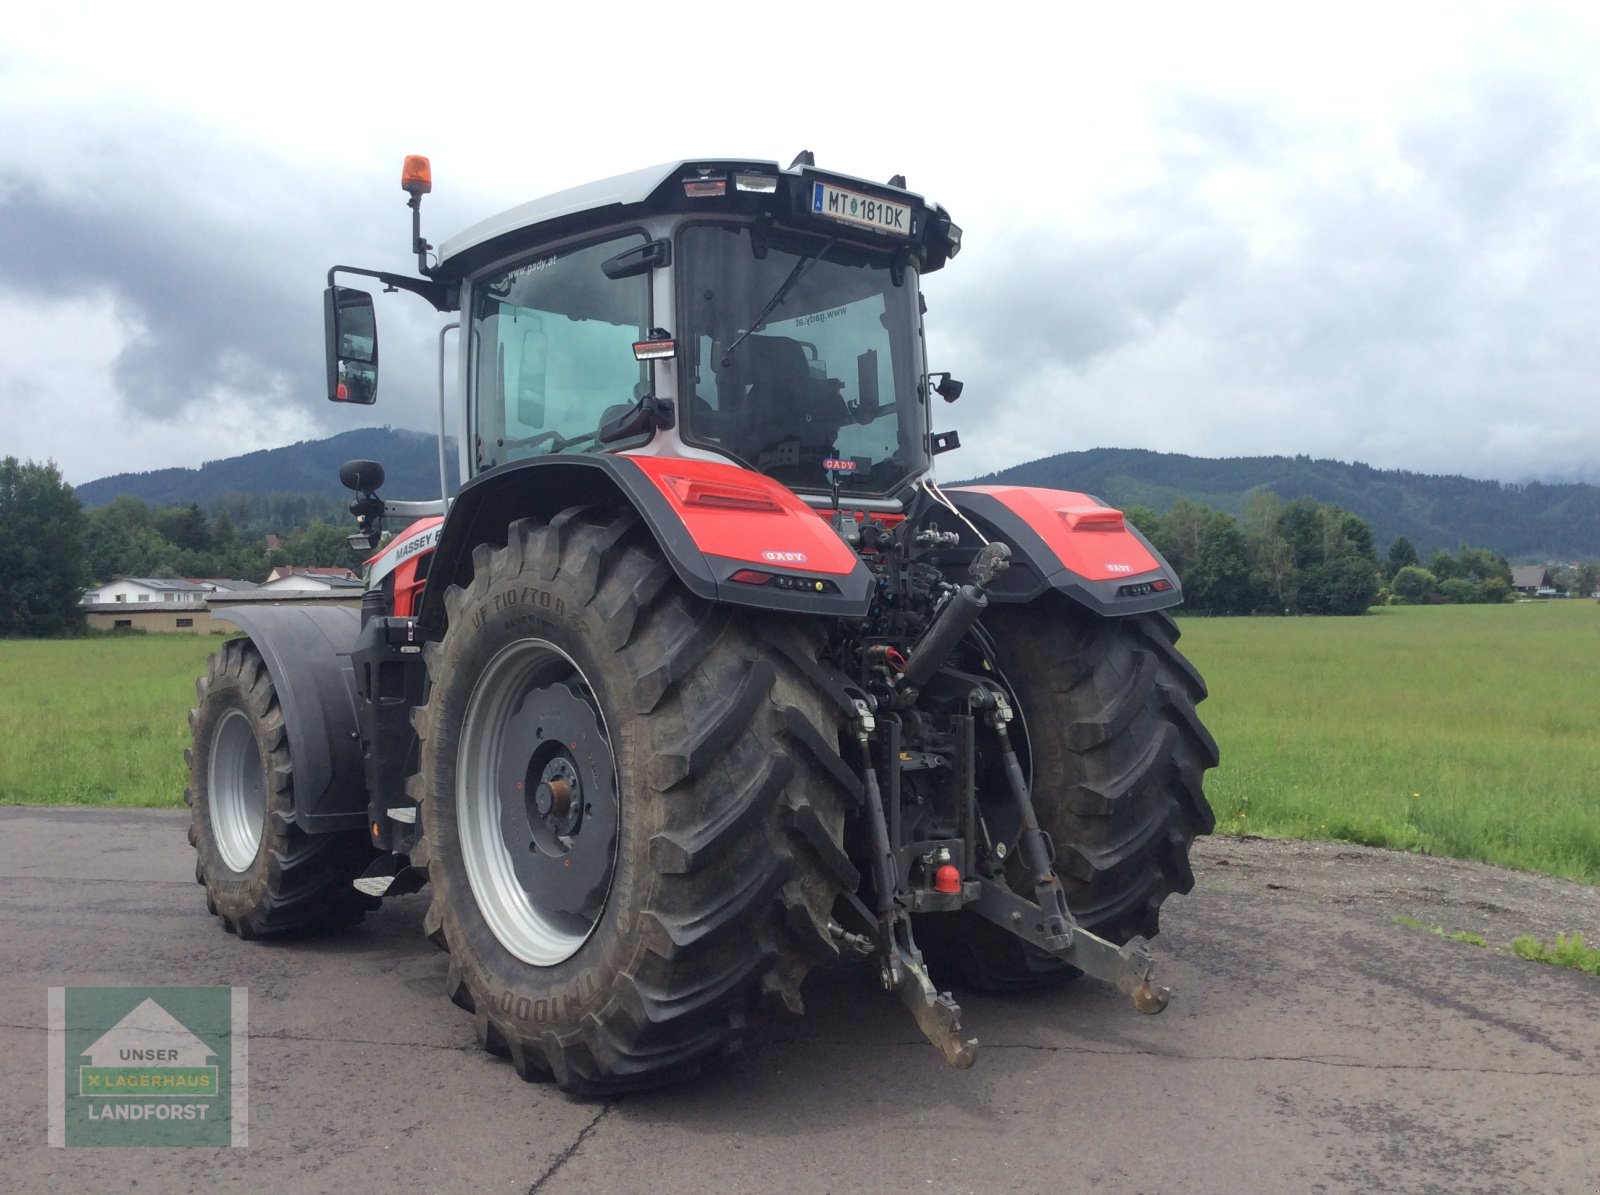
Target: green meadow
{"points": [[1468, 731], [97, 721]]}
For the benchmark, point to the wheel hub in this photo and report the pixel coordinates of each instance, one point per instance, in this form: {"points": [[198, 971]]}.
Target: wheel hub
{"points": [[554, 793], [561, 846], [537, 799]]}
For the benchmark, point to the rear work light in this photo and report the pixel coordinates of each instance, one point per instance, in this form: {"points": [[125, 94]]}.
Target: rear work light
{"points": [[761, 184]]}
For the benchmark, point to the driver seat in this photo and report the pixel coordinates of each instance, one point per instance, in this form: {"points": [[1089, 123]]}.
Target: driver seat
{"points": [[769, 388]]}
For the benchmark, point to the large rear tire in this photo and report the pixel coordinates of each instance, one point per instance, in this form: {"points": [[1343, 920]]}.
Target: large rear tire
{"points": [[262, 874], [631, 808], [1117, 756]]}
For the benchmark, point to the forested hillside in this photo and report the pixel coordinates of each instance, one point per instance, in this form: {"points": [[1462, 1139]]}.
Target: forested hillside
{"points": [[284, 488], [1534, 522], [309, 468]]}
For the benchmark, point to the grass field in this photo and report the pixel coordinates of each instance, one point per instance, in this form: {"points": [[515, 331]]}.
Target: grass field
{"points": [[97, 721], [1468, 731]]}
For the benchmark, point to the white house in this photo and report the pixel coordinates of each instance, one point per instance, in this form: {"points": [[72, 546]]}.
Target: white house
{"points": [[313, 578], [156, 603], [132, 591]]}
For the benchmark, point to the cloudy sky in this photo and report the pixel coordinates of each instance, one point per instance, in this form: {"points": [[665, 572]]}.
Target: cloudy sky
{"points": [[1362, 232]]}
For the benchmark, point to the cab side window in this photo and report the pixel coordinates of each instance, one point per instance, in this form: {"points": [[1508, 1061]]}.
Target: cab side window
{"points": [[552, 352]]}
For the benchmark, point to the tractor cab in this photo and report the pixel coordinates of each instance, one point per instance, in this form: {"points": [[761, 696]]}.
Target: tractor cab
{"points": [[721, 310]]}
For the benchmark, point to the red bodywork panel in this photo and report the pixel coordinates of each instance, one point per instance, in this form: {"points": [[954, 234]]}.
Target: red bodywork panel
{"points": [[737, 515], [1091, 540], [403, 557], [741, 515]]}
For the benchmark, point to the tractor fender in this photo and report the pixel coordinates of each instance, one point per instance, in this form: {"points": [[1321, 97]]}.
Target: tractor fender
{"points": [[307, 654], [711, 521], [1070, 542]]}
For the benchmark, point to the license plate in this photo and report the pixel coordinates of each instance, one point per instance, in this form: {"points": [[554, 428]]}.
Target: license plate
{"points": [[852, 208]]}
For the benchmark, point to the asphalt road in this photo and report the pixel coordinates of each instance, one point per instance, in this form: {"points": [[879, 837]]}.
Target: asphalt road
{"points": [[1313, 1045]]}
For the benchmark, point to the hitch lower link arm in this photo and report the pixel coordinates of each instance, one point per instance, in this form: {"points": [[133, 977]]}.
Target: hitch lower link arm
{"points": [[937, 1015], [1046, 921]]}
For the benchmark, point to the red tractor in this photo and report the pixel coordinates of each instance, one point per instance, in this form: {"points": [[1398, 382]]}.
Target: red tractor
{"points": [[700, 681]]}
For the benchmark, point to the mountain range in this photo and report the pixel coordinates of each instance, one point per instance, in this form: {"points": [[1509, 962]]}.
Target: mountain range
{"points": [[1530, 521], [410, 461]]}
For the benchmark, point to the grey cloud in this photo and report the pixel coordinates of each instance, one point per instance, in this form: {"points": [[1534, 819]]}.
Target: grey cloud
{"points": [[204, 309], [214, 256], [1070, 296], [1444, 319]]}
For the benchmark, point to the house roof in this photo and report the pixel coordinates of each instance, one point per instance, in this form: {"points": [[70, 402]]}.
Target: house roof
{"points": [[159, 584], [223, 583], [1529, 576], [313, 570], [278, 597], [170, 609]]}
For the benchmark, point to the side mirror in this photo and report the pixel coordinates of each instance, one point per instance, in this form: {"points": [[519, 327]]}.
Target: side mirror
{"points": [[351, 332]]}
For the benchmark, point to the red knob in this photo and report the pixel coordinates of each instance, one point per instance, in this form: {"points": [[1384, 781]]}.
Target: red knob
{"points": [[947, 879]]}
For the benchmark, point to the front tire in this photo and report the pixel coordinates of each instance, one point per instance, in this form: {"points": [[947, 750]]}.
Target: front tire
{"points": [[1117, 756], [262, 874], [673, 852]]}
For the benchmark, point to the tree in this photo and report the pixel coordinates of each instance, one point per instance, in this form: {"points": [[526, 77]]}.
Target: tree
{"points": [[1145, 519], [1302, 526], [1271, 560], [184, 527], [323, 545], [1358, 538], [121, 540], [41, 552], [1494, 591], [1401, 553], [1208, 552], [1443, 565], [1480, 564], [1414, 585], [1344, 585], [1587, 578]]}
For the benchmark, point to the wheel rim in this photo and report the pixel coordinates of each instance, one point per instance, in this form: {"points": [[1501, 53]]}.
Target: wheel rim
{"points": [[237, 789], [536, 801]]}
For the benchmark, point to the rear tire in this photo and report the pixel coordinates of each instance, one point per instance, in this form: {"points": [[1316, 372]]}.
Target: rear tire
{"points": [[1117, 756], [631, 809], [262, 874]]}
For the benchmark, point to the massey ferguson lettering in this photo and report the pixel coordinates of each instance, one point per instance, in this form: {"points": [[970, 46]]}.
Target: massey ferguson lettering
{"points": [[417, 543]]}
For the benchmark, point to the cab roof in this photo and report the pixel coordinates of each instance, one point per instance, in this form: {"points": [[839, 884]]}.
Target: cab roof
{"points": [[462, 252]]}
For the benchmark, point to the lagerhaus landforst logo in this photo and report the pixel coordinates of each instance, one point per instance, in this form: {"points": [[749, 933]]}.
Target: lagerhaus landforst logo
{"points": [[148, 1066]]}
